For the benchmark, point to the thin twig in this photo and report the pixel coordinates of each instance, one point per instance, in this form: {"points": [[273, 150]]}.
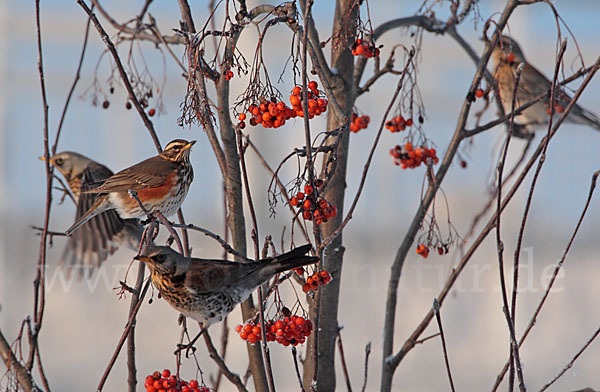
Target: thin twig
{"points": [[366, 373], [513, 346], [39, 284], [438, 317], [214, 236], [135, 298], [393, 360], [124, 78], [572, 361], [212, 352], [555, 272], [295, 356], [343, 360], [128, 326], [14, 365]]}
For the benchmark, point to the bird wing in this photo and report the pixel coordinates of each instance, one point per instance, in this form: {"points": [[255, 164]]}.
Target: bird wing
{"points": [[533, 83], [206, 276], [150, 173], [89, 246]]}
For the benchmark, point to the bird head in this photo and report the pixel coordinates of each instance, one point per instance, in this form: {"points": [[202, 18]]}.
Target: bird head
{"points": [[163, 260], [177, 150], [507, 50], [70, 164]]}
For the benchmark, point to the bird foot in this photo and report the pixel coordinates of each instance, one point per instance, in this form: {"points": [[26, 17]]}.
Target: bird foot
{"points": [[189, 349]]}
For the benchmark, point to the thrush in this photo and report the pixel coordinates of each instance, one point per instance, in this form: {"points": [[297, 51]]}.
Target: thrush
{"points": [[101, 235], [161, 183], [208, 290], [507, 57]]}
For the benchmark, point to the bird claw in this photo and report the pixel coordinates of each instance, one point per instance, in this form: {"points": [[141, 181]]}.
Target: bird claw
{"points": [[187, 347]]}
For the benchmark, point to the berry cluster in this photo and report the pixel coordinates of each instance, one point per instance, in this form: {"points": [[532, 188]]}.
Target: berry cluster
{"points": [[165, 382], [316, 103], [423, 249], [272, 114], [317, 279], [228, 74], [288, 330], [312, 206], [358, 122], [367, 49], [558, 107], [398, 124], [408, 158]]}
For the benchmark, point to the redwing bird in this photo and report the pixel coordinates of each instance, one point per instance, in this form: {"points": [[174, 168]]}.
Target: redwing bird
{"points": [[103, 234], [161, 183], [208, 290], [507, 57]]}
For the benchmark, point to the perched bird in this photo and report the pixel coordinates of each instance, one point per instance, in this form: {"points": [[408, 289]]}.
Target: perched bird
{"points": [[507, 57], [208, 290], [103, 234], [161, 182]]}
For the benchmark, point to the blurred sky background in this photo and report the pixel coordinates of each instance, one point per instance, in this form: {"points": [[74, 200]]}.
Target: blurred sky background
{"points": [[84, 320]]}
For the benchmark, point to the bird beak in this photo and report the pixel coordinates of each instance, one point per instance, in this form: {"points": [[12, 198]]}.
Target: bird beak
{"points": [[189, 145], [143, 258]]}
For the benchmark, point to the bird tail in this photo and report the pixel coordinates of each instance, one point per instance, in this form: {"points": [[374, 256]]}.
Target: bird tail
{"points": [[582, 116], [100, 205], [293, 259]]}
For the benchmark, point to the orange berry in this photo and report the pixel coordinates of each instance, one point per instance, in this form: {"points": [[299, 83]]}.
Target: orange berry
{"points": [[252, 338], [242, 116], [313, 85], [266, 116], [151, 112], [247, 328], [359, 50], [308, 189], [294, 100], [255, 111], [256, 330], [479, 93], [300, 196], [297, 90], [238, 328], [263, 107], [409, 122], [510, 57]]}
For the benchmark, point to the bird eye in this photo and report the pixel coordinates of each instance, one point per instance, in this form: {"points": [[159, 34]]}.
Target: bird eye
{"points": [[59, 161], [160, 258]]}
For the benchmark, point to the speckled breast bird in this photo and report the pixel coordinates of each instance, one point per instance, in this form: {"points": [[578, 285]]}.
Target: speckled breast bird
{"points": [[507, 57], [161, 182], [208, 290], [103, 234]]}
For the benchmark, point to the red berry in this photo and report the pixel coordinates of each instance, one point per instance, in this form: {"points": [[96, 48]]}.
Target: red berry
{"points": [[194, 384], [151, 112], [308, 189], [166, 373], [479, 93], [313, 85]]}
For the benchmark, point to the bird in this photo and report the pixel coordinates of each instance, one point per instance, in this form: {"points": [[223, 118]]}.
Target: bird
{"points": [[208, 290], [103, 234], [507, 57], [161, 183]]}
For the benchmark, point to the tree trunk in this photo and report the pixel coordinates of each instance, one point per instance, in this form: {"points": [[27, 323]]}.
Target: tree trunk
{"points": [[342, 60]]}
